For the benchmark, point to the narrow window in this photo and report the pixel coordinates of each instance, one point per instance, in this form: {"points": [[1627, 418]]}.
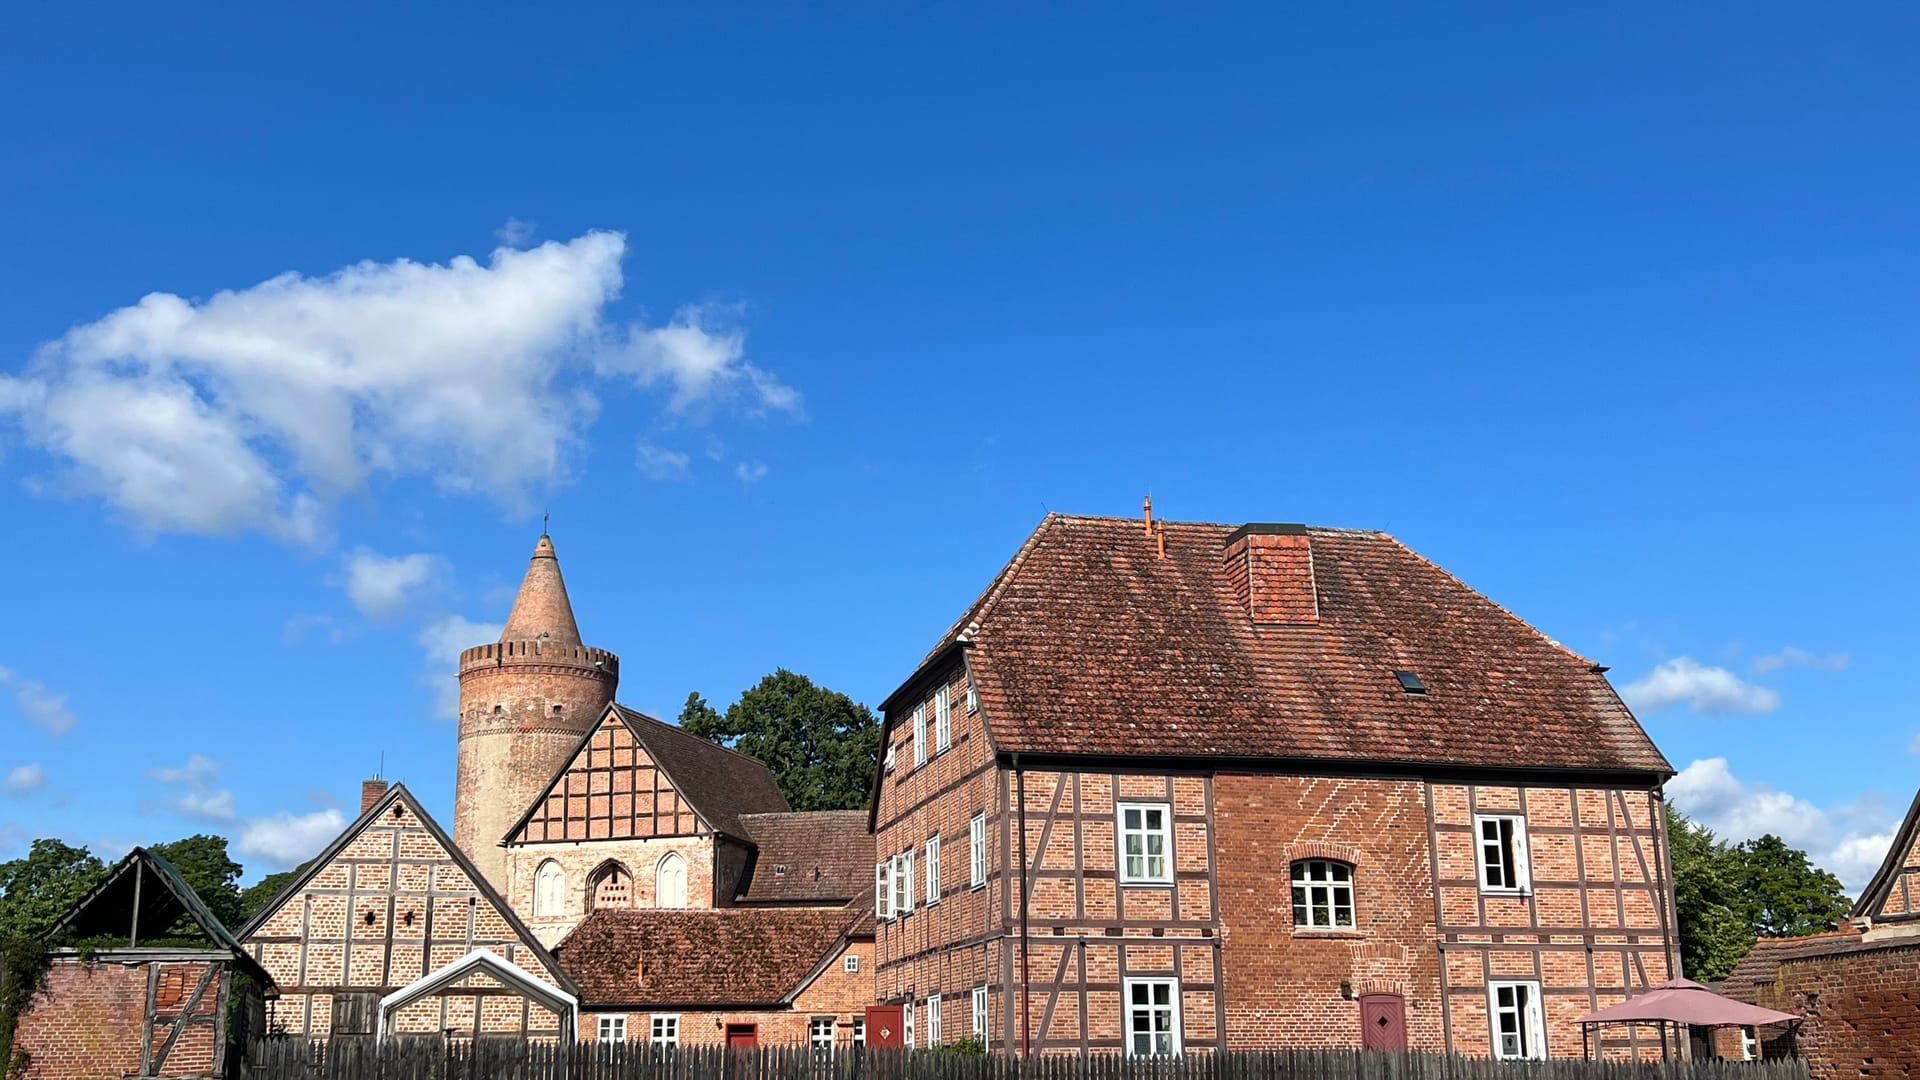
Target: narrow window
{"points": [[1322, 894], [549, 890], [1749, 1046], [820, 1033], [1146, 836], [666, 1031], [933, 869], [933, 1020], [882, 891], [859, 1031], [906, 880], [670, 881], [919, 734], [973, 699], [977, 851], [613, 1029], [1153, 1017], [1502, 849], [907, 1015], [1518, 1029], [942, 718], [851, 965], [980, 1015]]}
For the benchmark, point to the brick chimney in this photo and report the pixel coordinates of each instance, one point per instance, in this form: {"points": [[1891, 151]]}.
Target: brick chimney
{"points": [[371, 792], [1271, 570]]}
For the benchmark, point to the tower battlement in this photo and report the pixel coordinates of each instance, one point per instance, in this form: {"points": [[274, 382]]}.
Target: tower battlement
{"points": [[557, 654]]}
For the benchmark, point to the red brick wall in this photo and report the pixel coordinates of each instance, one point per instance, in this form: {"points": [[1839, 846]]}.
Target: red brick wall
{"points": [[92, 1021], [1862, 1010], [836, 992]]}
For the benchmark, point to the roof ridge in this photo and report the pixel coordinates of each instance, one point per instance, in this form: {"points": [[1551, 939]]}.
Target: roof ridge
{"points": [[701, 739]]}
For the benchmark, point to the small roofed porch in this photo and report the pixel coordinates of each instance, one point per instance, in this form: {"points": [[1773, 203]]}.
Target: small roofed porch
{"points": [[1677, 1007], [460, 999]]}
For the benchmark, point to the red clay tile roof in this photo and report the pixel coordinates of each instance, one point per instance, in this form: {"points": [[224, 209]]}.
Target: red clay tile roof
{"points": [[815, 856], [1750, 978], [719, 783], [1089, 643], [724, 956]]}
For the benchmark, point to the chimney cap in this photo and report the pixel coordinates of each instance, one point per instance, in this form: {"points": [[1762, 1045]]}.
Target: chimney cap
{"points": [[1264, 528]]}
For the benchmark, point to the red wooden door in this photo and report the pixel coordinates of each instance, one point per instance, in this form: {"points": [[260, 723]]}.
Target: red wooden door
{"points": [[743, 1036], [1383, 1022], [886, 1026]]}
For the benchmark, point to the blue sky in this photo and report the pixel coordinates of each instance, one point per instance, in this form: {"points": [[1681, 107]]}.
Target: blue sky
{"points": [[797, 321]]}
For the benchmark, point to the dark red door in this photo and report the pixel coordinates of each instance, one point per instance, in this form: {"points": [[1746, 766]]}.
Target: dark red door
{"points": [[1383, 1022], [886, 1026], [743, 1036]]}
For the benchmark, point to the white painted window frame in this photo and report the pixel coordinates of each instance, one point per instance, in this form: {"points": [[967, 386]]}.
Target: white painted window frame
{"points": [[980, 1015], [611, 1029], [850, 963], [1165, 832], [814, 1031], [977, 851], [1531, 1017], [919, 734], [933, 1020], [907, 1023], [942, 719], [1127, 1014], [933, 869], [664, 1029], [1516, 844], [1304, 881]]}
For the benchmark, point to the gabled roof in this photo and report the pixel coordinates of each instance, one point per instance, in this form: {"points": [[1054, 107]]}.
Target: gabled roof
{"points": [[720, 784], [809, 857], [565, 1004], [140, 899], [735, 957], [1880, 886], [1089, 643], [398, 793]]}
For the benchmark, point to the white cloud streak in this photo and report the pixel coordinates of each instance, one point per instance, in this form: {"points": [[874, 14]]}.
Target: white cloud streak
{"points": [[201, 800], [1703, 689], [287, 839], [383, 586], [751, 472], [1849, 839], [24, 779], [253, 409], [443, 640], [1791, 657], [43, 707], [660, 463]]}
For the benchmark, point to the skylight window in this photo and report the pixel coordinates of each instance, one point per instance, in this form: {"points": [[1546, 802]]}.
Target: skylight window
{"points": [[1410, 682]]}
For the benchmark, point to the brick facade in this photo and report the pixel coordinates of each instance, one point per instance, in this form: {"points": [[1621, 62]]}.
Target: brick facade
{"points": [[1862, 1008], [835, 993], [93, 1020]]}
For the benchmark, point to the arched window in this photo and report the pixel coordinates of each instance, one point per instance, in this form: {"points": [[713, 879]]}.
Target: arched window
{"points": [[670, 881], [549, 890], [1322, 894], [610, 887]]}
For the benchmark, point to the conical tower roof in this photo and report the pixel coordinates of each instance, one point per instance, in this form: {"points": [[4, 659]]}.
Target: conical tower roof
{"points": [[542, 612]]}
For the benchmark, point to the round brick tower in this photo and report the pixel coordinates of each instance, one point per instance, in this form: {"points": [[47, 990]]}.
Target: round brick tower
{"points": [[525, 703]]}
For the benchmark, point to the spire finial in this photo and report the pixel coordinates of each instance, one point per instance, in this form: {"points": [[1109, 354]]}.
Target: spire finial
{"points": [[544, 519]]}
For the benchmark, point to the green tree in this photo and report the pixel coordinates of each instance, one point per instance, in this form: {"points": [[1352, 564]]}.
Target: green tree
{"points": [[1713, 934], [203, 861], [1782, 894], [820, 744], [37, 888], [261, 893]]}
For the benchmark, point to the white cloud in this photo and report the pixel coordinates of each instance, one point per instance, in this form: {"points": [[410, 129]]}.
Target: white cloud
{"points": [[1703, 689], [751, 472], [383, 586], [199, 771], [659, 463], [1791, 657], [287, 839], [444, 640], [24, 779], [253, 409], [515, 233], [201, 800], [43, 708], [1847, 839], [1914, 746]]}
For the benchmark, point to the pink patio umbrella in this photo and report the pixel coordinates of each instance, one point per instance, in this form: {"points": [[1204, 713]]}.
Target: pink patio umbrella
{"points": [[1682, 1001]]}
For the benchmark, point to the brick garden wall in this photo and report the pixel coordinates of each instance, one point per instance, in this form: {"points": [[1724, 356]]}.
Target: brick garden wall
{"points": [[92, 1021], [1862, 1010]]}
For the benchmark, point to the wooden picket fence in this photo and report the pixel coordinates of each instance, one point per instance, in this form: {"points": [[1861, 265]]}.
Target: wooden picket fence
{"points": [[434, 1059]]}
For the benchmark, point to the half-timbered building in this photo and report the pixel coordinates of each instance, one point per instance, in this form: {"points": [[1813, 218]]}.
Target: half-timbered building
{"points": [[1175, 787]]}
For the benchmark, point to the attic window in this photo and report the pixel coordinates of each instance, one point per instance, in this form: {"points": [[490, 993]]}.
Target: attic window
{"points": [[779, 870], [1410, 682]]}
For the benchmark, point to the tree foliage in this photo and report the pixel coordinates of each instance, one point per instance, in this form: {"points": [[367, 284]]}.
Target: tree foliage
{"points": [[1726, 895], [261, 893], [820, 744], [203, 861], [37, 888]]}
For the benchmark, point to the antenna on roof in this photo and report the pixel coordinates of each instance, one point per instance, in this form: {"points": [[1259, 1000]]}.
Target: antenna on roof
{"points": [[1146, 506]]}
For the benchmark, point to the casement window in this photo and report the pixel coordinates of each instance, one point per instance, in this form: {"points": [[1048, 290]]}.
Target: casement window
{"points": [[820, 1033], [1519, 1029], [973, 699], [906, 1015], [1749, 1046], [889, 757], [1322, 894], [905, 899], [899, 870], [980, 1015], [933, 1020], [1153, 1017], [1146, 841], [613, 1029], [977, 851], [859, 1031], [933, 870], [851, 964], [549, 891], [919, 735], [1501, 846], [883, 891], [942, 718], [666, 1031]]}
